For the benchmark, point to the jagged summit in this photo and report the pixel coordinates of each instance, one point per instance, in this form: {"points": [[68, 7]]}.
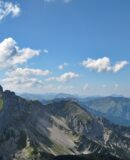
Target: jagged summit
{"points": [[7, 93]]}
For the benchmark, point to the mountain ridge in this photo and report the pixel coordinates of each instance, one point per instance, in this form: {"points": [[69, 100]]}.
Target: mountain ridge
{"points": [[113, 108], [58, 128]]}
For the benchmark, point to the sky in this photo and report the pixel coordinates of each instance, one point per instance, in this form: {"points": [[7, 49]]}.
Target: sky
{"points": [[65, 46]]}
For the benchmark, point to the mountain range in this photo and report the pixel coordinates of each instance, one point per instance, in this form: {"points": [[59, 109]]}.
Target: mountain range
{"points": [[114, 108], [60, 130]]}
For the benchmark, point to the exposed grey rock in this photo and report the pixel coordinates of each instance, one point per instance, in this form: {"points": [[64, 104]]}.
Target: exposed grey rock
{"points": [[30, 130]]}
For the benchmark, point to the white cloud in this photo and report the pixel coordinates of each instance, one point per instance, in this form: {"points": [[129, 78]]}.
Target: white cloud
{"points": [[21, 83], [64, 77], [27, 72], [17, 78], [33, 85], [118, 66], [8, 8], [23, 78], [11, 54], [103, 64], [23, 55], [61, 67]]}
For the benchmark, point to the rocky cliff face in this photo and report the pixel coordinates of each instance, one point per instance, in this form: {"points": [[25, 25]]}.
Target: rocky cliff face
{"points": [[30, 130]]}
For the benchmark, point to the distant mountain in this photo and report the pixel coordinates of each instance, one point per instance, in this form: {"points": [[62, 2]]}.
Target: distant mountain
{"points": [[47, 96], [115, 109], [30, 130]]}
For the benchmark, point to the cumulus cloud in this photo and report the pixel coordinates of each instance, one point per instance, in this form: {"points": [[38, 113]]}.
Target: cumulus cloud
{"points": [[21, 83], [22, 78], [8, 8], [103, 64], [62, 66], [17, 78], [11, 54], [27, 72], [64, 77]]}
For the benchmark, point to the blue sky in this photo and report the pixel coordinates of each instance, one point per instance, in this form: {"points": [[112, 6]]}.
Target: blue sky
{"points": [[74, 46]]}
